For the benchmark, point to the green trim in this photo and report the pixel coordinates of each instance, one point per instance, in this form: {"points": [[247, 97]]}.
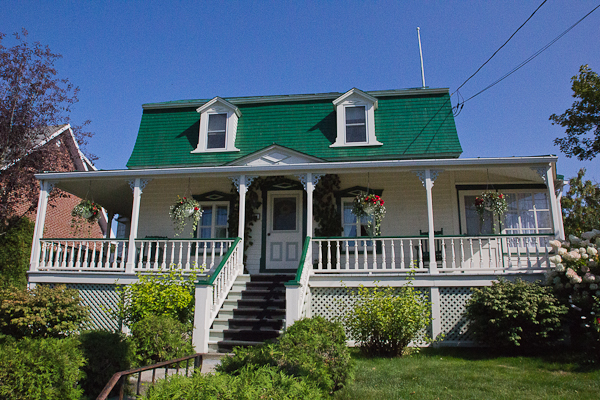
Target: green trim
{"points": [[213, 277], [302, 259]]}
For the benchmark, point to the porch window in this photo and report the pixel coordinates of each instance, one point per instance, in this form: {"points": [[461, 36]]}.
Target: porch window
{"points": [[213, 224], [353, 227]]}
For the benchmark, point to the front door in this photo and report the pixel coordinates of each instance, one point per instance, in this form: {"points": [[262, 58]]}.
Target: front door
{"points": [[284, 230]]}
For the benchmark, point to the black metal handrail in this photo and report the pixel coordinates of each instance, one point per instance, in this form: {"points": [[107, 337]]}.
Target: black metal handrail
{"points": [[120, 377]]}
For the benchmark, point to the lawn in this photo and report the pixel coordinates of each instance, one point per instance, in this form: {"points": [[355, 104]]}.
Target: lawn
{"points": [[474, 374]]}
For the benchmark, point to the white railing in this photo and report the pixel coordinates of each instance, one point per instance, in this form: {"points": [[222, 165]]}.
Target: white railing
{"points": [[108, 255], [304, 277], [185, 254], [224, 276], [460, 254]]}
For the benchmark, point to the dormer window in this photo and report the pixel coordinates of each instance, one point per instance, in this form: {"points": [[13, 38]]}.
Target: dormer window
{"points": [[218, 126], [355, 119]]}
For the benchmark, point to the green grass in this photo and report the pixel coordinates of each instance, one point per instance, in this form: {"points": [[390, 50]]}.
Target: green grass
{"points": [[474, 374]]}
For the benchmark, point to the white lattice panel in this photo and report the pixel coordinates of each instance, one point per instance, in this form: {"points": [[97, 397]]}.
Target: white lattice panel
{"points": [[452, 309], [99, 299]]}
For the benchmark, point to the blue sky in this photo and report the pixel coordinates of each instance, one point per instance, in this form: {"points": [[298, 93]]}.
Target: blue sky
{"points": [[122, 54]]}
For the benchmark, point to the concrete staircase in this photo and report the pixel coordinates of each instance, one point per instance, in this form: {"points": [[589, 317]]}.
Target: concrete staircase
{"points": [[252, 313]]}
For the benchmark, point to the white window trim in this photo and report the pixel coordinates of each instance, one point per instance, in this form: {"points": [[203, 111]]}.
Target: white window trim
{"points": [[218, 106], [355, 98]]}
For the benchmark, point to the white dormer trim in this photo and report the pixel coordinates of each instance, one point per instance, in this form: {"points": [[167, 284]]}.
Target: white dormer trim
{"points": [[218, 106], [355, 98]]}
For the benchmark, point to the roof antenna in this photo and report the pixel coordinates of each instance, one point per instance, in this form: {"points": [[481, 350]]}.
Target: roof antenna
{"points": [[421, 52]]}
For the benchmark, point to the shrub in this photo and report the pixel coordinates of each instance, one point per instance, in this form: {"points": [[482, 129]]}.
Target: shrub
{"points": [[160, 338], [509, 314], [311, 349], [250, 383], [41, 312], [15, 250], [32, 369], [107, 353], [384, 320], [166, 292]]}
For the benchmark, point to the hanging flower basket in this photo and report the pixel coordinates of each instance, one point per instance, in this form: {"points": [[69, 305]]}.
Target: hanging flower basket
{"points": [[371, 207], [494, 202], [88, 210], [182, 211]]}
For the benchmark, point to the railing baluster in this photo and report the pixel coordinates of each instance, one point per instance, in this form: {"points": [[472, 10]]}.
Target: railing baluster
{"points": [[365, 255], [453, 253], [489, 242], [411, 254], [393, 254], [421, 254], [443, 253], [328, 254], [383, 258], [204, 254], [471, 250], [356, 254], [347, 254], [374, 244], [320, 255]]}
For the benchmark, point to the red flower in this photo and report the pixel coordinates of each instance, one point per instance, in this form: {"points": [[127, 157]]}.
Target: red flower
{"points": [[196, 209]]}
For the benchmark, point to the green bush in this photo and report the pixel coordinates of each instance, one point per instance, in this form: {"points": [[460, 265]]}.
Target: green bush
{"points": [[32, 369], [251, 383], [509, 314], [312, 349], [160, 338], [41, 312], [384, 320], [15, 251], [107, 353], [166, 292]]}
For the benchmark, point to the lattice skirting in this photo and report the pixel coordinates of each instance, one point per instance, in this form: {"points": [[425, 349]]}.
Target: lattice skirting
{"points": [[99, 299], [327, 302]]}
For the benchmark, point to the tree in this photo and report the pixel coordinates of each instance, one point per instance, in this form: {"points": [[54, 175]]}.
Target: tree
{"points": [[581, 205], [32, 100], [582, 120]]}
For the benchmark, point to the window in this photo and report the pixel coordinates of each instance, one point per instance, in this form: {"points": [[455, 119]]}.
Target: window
{"points": [[213, 223], [217, 131], [356, 129], [218, 126], [352, 226], [355, 116]]}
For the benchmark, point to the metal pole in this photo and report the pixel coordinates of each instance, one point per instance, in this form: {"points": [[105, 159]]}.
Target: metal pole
{"points": [[421, 53]]}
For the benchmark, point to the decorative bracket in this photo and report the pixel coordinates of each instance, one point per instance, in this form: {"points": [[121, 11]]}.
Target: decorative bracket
{"points": [[315, 179], [236, 181], [50, 186], [143, 183], [433, 174], [541, 171]]}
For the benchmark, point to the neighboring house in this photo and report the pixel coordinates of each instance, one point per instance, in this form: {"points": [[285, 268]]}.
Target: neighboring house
{"points": [[272, 158], [61, 140]]}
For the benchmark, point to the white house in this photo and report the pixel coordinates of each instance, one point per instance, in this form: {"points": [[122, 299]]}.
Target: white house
{"points": [[276, 176]]}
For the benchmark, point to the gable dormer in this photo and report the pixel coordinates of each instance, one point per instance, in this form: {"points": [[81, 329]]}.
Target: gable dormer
{"points": [[355, 117], [218, 126]]}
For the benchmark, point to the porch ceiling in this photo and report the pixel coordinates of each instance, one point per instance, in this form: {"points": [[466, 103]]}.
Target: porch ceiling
{"points": [[114, 194]]}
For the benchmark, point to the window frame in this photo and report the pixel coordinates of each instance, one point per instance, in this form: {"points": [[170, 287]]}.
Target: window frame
{"points": [[355, 98], [213, 225], [208, 131], [218, 106]]}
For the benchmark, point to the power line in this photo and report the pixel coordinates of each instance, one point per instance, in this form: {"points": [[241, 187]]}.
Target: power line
{"points": [[537, 53]]}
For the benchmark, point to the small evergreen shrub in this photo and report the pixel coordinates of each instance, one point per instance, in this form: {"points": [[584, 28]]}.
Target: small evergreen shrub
{"points": [[15, 250], [41, 312], [312, 349], [32, 369], [160, 338], [250, 383], [510, 314], [384, 320], [106, 353], [166, 292]]}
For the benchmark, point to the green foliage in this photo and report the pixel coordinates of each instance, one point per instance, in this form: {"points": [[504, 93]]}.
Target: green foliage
{"points": [[164, 292], [251, 383], [582, 120], [519, 313], [313, 350], [159, 338], [384, 320], [581, 205], [32, 369], [107, 353], [328, 219], [41, 312], [15, 250]]}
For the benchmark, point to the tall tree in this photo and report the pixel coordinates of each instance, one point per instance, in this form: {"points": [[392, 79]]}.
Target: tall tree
{"points": [[32, 100], [581, 205], [582, 120]]}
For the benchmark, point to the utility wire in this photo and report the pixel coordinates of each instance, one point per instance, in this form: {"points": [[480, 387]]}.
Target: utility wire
{"points": [[537, 53]]}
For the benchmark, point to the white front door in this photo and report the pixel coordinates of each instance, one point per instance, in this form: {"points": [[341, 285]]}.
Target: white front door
{"points": [[284, 229]]}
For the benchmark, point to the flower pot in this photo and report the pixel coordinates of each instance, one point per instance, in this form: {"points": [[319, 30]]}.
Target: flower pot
{"points": [[87, 214], [188, 212]]}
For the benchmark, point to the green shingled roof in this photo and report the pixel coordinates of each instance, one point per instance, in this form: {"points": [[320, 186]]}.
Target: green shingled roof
{"points": [[410, 124]]}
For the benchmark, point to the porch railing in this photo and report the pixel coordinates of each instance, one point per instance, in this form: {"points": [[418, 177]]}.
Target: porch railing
{"points": [[453, 254], [108, 255], [303, 275]]}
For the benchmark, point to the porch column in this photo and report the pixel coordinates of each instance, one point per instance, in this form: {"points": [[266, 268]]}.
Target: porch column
{"points": [[242, 183], [427, 178], [203, 302], [546, 174], [40, 220], [309, 181], [137, 186]]}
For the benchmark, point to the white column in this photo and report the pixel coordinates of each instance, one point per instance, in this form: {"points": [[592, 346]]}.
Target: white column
{"points": [[436, 315], [428, 187], [40, 220], [554, 207], [137, 187], [292, 303], [242, 217], [559, 205], [203, 302], [310, 188]]}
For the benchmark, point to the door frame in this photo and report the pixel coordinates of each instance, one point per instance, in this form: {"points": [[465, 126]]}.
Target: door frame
{"points": [[289, 185]]}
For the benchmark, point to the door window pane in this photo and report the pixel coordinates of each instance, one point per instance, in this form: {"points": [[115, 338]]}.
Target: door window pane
{"points": [[284, 214]]}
